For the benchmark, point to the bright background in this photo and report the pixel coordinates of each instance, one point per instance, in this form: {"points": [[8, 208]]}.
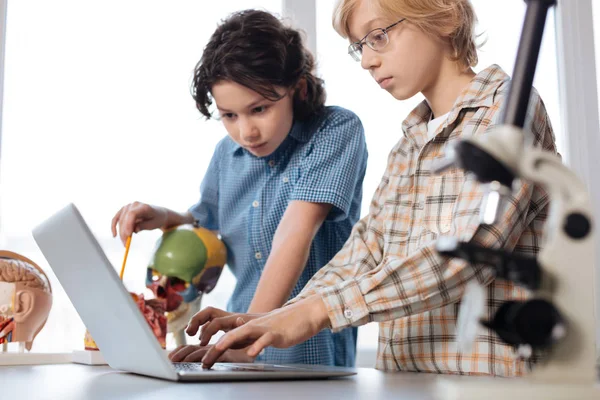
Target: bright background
{"points": [[97, 111]]}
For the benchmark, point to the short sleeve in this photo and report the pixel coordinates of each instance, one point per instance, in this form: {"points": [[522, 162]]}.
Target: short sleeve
{"points": [[333, 169], [205, 211]]}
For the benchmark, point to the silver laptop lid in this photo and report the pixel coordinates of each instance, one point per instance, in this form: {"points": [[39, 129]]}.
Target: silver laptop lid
{"points": [[102, 301]]}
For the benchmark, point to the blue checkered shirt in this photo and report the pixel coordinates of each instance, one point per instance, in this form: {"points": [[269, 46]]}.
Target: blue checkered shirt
{"points": [[322, 160]]}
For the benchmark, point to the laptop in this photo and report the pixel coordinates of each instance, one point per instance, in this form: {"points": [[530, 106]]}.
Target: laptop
{"points": [[114, 320]]}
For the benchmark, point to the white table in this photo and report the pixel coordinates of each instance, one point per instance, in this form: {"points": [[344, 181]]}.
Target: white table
{"points": [[73, 381]]}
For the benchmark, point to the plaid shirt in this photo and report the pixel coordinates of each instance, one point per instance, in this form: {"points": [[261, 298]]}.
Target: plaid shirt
{"points": [[389, 271]]}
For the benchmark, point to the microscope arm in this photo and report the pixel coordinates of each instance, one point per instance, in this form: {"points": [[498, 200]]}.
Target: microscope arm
{"points": [[523, 270]]}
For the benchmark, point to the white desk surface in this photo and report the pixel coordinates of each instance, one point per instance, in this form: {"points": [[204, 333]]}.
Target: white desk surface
{"points": [[73, 381]]}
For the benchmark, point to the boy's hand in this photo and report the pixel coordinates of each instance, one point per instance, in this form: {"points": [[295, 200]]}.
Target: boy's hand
{"points": [[213, 320], [136, 217], [195, 353], [280, 328]]}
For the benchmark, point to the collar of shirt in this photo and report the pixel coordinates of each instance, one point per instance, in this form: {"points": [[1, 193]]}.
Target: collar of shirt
{"points": [[481, 92]]}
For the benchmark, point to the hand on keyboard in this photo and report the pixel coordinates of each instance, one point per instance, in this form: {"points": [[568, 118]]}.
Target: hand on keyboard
{"points": [[213, 320], [195, 353]]}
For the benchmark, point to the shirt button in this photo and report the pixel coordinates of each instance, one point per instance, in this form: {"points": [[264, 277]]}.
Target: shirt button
{"points": [[286, 179], [255, 204], [348, 313], [258, 255], [271, 163]]}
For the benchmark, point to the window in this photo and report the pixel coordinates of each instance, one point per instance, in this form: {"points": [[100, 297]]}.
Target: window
{"points": [[351, 87], [98, 111]]}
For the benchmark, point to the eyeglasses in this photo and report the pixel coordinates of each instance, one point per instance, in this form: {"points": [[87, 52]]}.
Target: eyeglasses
{"points": [[377, 39]]}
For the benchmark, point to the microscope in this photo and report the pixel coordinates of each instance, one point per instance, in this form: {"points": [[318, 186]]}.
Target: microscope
{"points": [[558, 318]]}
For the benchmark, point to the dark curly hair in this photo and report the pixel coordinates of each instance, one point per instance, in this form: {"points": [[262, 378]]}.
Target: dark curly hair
{"points": [[255, 49]]}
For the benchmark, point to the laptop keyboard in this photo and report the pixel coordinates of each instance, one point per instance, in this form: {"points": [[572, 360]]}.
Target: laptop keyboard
{"points": [[188, 367], [197, 367]]}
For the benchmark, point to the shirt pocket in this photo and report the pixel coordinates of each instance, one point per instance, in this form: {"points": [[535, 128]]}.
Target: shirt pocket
{"points": [[465, 215], [275, 196], [441, 198], [286, 182], [397, 209]]}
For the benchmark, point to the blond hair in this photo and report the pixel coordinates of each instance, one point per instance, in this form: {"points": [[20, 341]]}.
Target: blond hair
{"points": [[453, 20]]}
